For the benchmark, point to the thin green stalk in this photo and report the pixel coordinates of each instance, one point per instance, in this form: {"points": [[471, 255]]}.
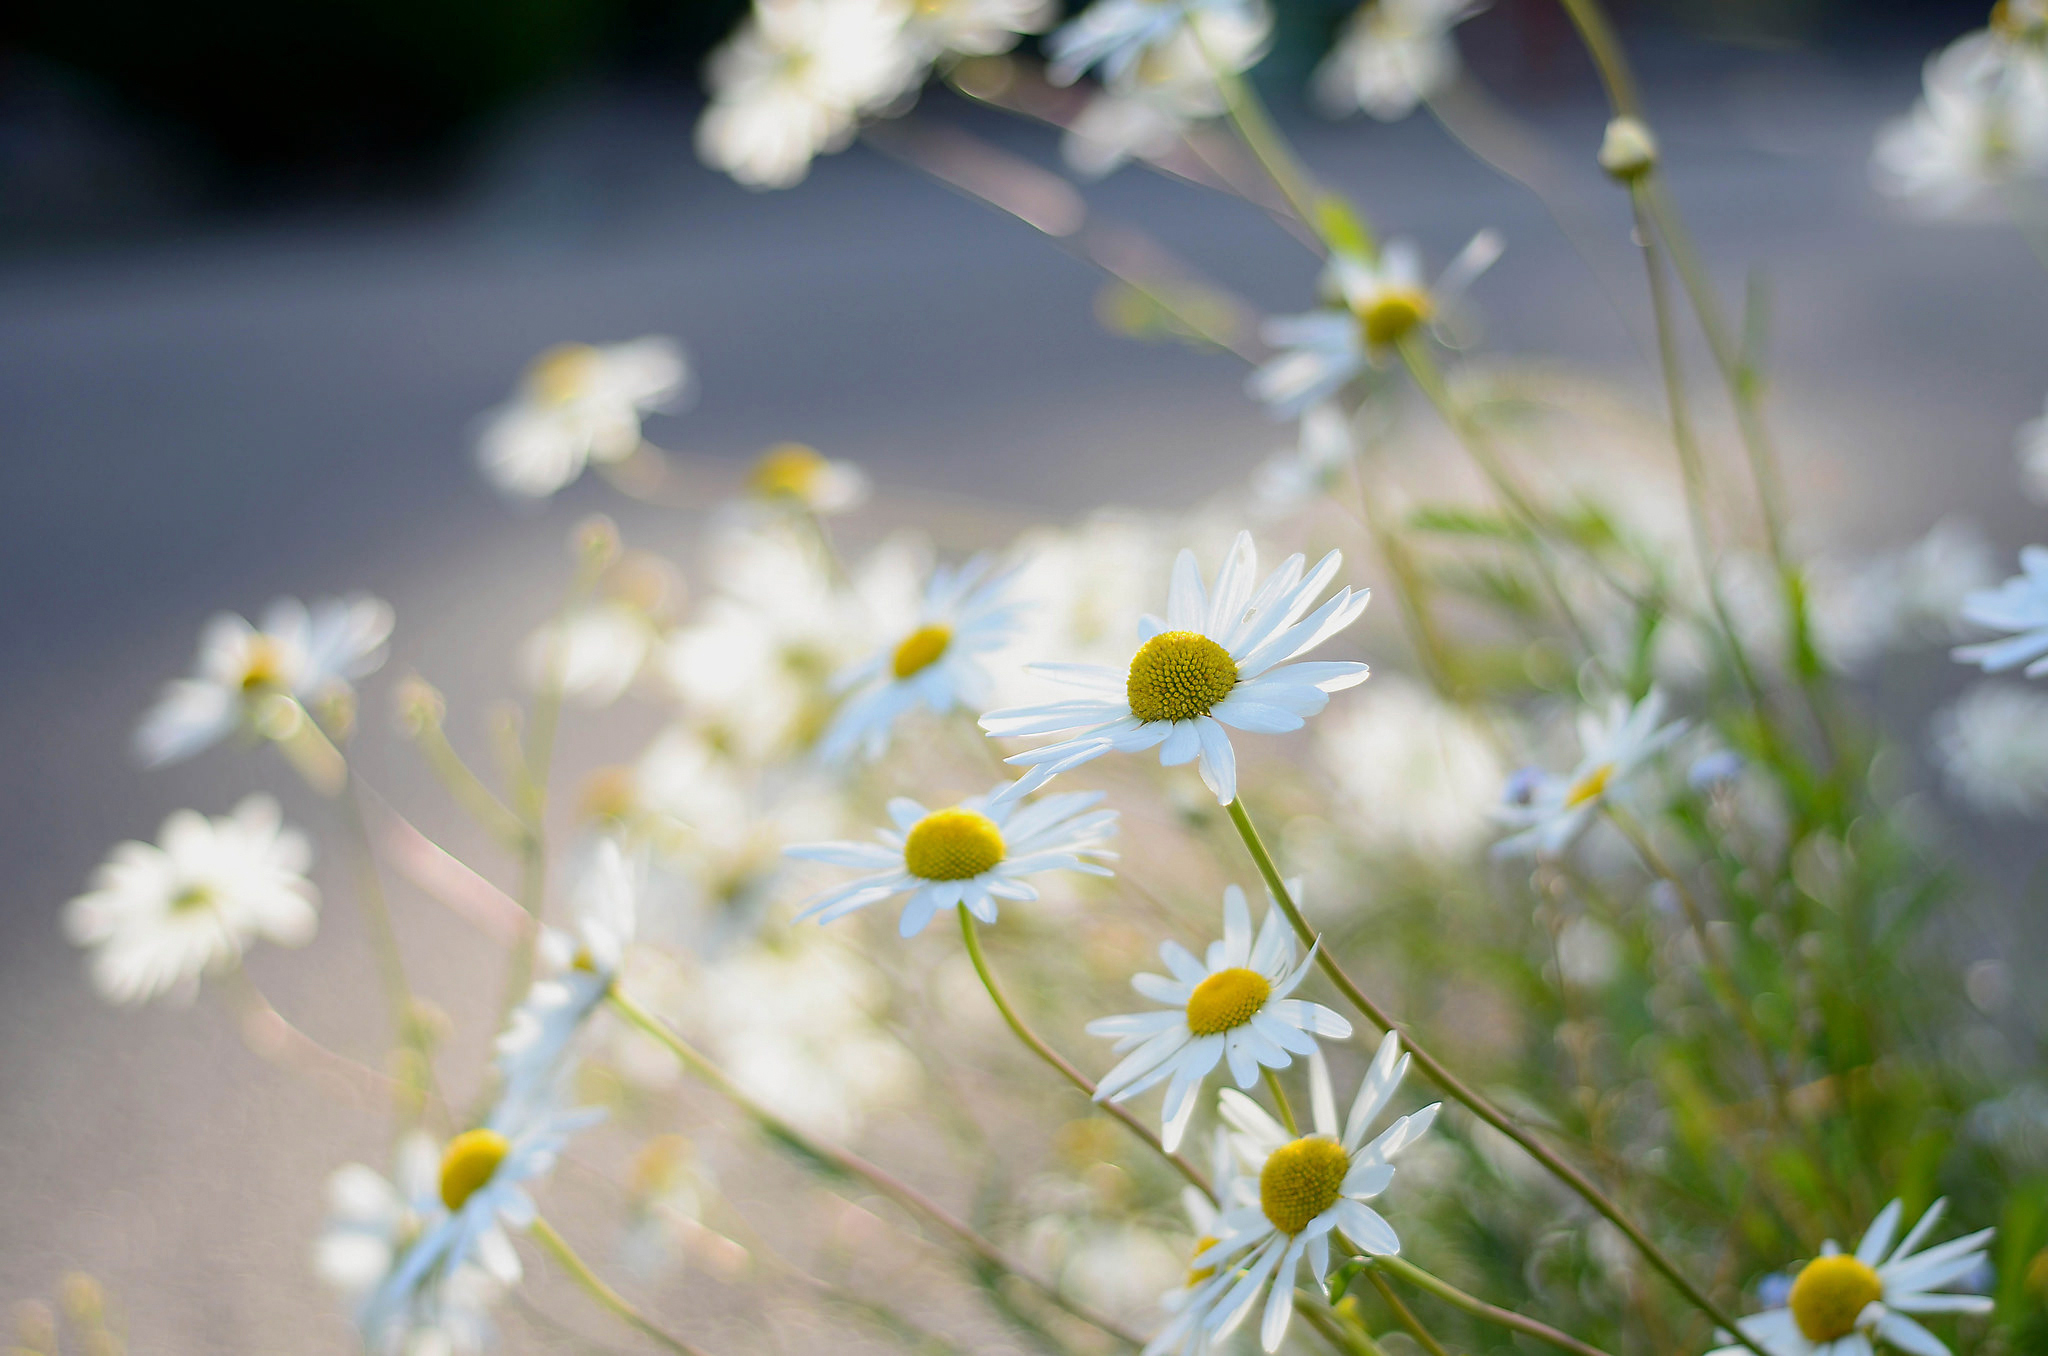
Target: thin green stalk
{"points": [[1479, 1308], [1406, 1316], [558, 1248], [1037, 1045], [1347, 1337], [1280, 1100], [1472, 1099], [468, 789]]}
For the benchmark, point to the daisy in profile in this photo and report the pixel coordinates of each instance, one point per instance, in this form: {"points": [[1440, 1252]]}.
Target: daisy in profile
{"points": [[311, 655], [1549, 812], [1231, 1003], [1391, 56], [1374, 303], [968, 856], [791, 475], [160, 915], [1220, 658], [1840, 1303], [578, 403], [1117, 35], [1307, 1187], [2019, 606], [936, 663]]}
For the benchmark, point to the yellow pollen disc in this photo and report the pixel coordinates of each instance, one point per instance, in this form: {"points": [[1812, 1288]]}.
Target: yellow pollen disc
{"points": [[1828, 1295], [1301, 1180], [471, 1158], [1589, 786], [952, 845], [263, 666], [1393, 313], [1178, 675], [1196, 1275], [561, 374], [787, 471], [190, 898], [920, 650], [1226, 999]]}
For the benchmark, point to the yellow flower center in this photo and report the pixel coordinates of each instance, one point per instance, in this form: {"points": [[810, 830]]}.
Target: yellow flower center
{"points": [[1178, 675], [263, 665], [562, 374], [952, 845], [471, 1158], [920, 650], [1828, 1295], [1301, 1180], [787, 471], [1226, 999], [1589, 786], [1196, 1275], [1390, 315], [191, 898]]}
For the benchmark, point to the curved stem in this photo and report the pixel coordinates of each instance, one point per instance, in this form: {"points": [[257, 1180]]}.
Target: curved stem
{"points": [[1405, 1315], [1037, 1045], [558, 1248], [1472, 1099], [1479, 1308]]}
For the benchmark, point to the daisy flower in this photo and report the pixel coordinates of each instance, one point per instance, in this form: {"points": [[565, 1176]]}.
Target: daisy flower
{"points": [[793, 475], [311, 655], [1314, 468], [578, 403], [1392, 55], [1231, 1003], [1980, 124], [2020, 606], [1144, 109], [976, 27], [1549, 812], [1184, 1334], [1307, 1187], [1992, 745], [1219, 659], [1116, 35], [593, 654], [936, 664], [1374, 304], [970, 855], [1841, 1303], [160, 915]]}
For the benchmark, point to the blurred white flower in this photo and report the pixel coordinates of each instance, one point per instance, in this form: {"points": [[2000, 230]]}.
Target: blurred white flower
{"points": [[1548, 812], [1232, 1002], [968, 856], [1992, 744], [1083, 585], [1118, 34], [593, 654], [1146, 107], [1221, 659], [1909, 597], [1411, 770], [1840, 1303], [977, 27], [160, 915], [310, 655], [578, 403], [1314, 468], [2019, 605], [1391, 56], [2031, 443], [1980, 125], [793, 475], [1184, 1333]]}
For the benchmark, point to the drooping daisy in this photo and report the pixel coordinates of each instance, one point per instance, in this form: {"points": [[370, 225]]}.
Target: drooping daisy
{"points": [[937, 663], [968, 856], [578, 403], [791, 474], [1232, 1003], [1118, 34], [1841, 1303], [2020, 606], [1549, 812], [1219, 659], [1391, 56], [160, 915], [1374, 303], [1308, 1186], [309, 654]]}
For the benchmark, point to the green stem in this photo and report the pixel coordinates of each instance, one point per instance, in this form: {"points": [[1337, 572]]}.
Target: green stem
{"points": [[1479, 1308], [1470, 1097], [1345, 1336], [1280, 1100], [468, 789], [1406, 1316], [558, 1248]]}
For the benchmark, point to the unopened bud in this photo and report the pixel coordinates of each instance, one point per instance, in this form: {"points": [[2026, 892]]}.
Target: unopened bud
{"points": [[595, 541], [1627, 150], [419, 703]]}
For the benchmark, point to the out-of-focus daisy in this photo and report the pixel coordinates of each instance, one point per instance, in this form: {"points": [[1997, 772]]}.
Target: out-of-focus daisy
{"points": [[1549, 812], [1412, 770], [1992, 745], [968, 856], [578, 403], [1981, 124], [1145, 108], [1906, 598], [793, 80], [2020, 606], [1184, 1333], [1118, 34], [160, 915], [1220, 658], [976, 27], [1230, 1003], [1307, 1187], [1373, 304], [593, 654], [793, 475], [2031, 445], [309, 654], [1841, 1303], [1314, 468], [1391, 56], [937, 663]]}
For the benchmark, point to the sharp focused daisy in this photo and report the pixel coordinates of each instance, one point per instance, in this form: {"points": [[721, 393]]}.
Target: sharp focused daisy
{"points": [[1391, 56], [969, 855], [1118, 34], [1841, 1303], [1220, 658], [937, 663], [309, 654], [1548, 812], [1307, 1187], [160, 915], [1374, 304], [1231, 1003], [578, 403], [2020, 606], [791, 474]]}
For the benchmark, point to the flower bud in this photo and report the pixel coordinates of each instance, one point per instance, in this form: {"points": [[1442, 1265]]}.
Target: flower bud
{"points": [[1627, 150]]}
